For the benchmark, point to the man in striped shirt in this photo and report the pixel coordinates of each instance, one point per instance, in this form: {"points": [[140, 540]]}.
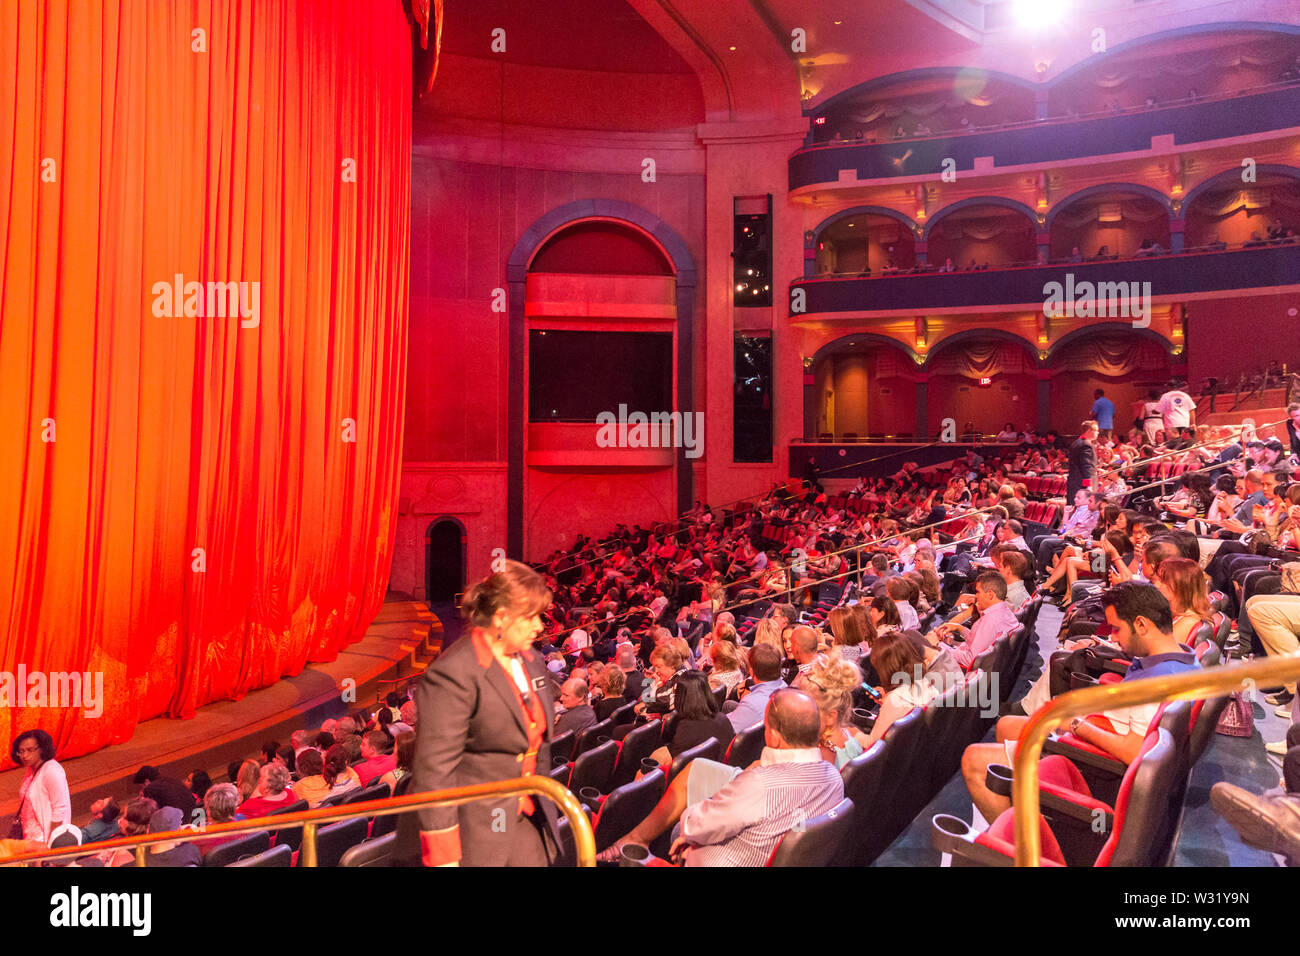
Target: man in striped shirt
{"points": [[731, 817]]}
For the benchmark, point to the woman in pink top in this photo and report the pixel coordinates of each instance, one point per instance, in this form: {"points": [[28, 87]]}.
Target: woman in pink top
{"points": [[44, 801], [272, 793]]}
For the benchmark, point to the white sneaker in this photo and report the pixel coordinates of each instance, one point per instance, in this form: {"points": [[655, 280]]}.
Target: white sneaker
{"points": [[1284, 711], [1278, 747]]}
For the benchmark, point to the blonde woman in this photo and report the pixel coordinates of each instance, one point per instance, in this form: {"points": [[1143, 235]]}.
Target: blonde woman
{"points": [[768, 632], [250, 772], [830, 681], [726, 667], [1184, 585]]}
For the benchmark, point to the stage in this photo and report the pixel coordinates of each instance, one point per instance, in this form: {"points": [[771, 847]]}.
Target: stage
{"points": [[403, 638]]}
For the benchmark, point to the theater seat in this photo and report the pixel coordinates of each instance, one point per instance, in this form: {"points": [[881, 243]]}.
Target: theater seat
{"points": [[746, 746], [376, 852], [711, 749], [627, 806], [250, 844], [279, 855], [589, 739], [815, 844], [1140, 835], [334, 840], [639, 744], [292, 836], [595, 768], [562, 747]]}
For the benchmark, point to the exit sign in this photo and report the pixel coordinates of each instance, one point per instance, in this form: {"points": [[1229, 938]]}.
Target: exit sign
{"points": [[986, 381]]}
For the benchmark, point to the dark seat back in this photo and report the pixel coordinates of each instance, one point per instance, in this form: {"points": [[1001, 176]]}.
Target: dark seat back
{"points": [[589, 739], [815, 844], [627, 806], [250, 844], [375, 852], [334, 840], [595, 768], [376, 791], [278, 855], [640, 743], [292, 836], [864, 783], [747, 746], [710, 749], [1142, 828], [562, 747], [388, 822]]}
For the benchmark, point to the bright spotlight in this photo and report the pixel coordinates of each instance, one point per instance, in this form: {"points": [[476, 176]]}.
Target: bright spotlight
{"points": [[1037, 14]]}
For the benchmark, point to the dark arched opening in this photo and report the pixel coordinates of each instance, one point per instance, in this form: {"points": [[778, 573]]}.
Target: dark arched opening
{"points": [[444, 560]]}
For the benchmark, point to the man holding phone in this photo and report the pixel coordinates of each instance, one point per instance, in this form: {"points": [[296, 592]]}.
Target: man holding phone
{"points": [[996, 618]]}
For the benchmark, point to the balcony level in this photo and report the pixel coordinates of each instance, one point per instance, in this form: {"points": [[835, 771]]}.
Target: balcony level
{"points": [[1270, 110], [1266, 266]]}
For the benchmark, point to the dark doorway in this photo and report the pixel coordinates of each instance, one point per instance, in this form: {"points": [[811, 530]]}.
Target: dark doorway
{"points": [[444, 560]]}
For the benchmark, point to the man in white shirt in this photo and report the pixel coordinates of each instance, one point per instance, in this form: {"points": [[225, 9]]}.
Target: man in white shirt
{"points": [[1176, 407], [1153, 418]]}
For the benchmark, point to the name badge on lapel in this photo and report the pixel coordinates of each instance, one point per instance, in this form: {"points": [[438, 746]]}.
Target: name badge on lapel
{"points": [[539, 683]]}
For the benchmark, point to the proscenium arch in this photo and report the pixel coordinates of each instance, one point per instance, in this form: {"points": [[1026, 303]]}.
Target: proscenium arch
{"points": [[1012, 204], [1102, 189], [965, 335], [1232, 175], [530, 241], [1075, 335]]}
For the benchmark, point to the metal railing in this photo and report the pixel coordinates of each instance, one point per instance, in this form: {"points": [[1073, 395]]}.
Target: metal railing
{"points": [[1210, 682], [579, 826]]}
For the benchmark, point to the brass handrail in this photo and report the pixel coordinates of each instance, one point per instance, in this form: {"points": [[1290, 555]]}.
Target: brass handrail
{"points": [[579, 826], [1209, 682]]}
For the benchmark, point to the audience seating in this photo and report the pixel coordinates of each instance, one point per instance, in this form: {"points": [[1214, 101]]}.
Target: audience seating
{"points": [[375, 852], [816, 843], [639, 744], [627, 806], [747, 746], [334, 840], [710, 749], [595, 768], [589, 739], [279, 855], [248, 845]]}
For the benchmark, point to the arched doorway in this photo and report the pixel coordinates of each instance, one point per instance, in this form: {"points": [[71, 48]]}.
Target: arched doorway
{"points": [[444, 560]]}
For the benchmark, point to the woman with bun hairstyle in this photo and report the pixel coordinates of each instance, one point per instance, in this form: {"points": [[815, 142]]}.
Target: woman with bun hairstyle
{"points": [[830, 681], [486, 715]]}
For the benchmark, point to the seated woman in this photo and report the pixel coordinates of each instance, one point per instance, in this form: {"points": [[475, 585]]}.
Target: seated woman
{"points": [[1185, 586], [831, 682], [1073, 562], [726, 670], [404, 749], [612, 682], [272, 793], [897, 660], [134, 822], [850, 630], [697, 718]]}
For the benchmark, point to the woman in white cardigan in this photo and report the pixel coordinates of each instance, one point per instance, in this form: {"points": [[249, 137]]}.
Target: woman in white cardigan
{"points": [[44, 801]]}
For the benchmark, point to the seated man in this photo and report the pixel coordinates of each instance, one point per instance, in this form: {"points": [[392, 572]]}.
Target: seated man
{"points": [[734, 817], [996, 618], [1144, 627], [578, 713]]}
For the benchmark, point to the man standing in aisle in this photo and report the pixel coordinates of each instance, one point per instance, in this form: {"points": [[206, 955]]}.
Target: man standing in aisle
{"points": [[1103, 410], [1083, 460]]}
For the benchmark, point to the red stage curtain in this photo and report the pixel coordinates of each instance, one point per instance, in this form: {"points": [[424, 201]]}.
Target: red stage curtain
{"points": [[220, 156]]}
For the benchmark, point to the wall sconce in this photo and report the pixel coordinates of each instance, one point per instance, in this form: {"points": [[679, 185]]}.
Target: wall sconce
{"points": [[807, 364], [1178, 350], [1042, 338], [920, 359], [1042, 355], [808, 236], [1176, 189], [921, 333], [920, 214]]}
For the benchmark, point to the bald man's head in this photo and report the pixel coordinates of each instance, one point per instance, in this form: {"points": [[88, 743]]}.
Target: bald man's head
{"points": [[792, 720], [803, 643]]}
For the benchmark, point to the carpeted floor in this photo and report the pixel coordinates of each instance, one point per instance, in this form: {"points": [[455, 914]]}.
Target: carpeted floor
{"points": [[1205, 839]]}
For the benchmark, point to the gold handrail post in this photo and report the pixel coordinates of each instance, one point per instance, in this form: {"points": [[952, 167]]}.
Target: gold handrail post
{"points": [[309, 844], [141, 854]]}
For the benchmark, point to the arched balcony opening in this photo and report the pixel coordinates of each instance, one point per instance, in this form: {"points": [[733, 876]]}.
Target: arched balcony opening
{"points": [[1107, 223], [1227, 213], [981, 235], [982, 379], [864, 387], [865, 244], [923, 103], [1124, 362], [1183, 67]]}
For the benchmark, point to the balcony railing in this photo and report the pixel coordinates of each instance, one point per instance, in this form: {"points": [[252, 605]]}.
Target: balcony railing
{"points": [[1266, 264], [579, 826]]}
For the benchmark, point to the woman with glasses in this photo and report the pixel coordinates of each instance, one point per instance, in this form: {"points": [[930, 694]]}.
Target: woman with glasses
{"points": [[44, 801]]}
